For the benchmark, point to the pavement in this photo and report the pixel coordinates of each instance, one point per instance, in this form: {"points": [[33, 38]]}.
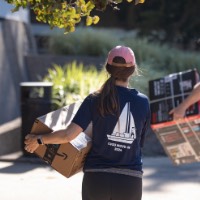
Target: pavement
{"points": [[23, 178]]}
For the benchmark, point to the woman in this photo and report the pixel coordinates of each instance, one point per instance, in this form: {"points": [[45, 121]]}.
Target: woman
{"points": [[120, 117]]}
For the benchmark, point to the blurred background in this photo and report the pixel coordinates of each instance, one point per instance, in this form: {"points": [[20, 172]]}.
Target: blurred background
{"points": [[164, 34], [42, 70]]}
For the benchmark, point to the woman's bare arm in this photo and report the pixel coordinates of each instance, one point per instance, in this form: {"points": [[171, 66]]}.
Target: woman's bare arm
{"points": [[179, 111], [56, 137]]}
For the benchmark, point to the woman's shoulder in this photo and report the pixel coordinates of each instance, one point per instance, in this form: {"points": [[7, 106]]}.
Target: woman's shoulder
{"points": [[92, 97], [140, 94]]}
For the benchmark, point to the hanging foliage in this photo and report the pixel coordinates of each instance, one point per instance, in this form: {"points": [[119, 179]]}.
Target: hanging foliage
{"points": [[66, 14]]}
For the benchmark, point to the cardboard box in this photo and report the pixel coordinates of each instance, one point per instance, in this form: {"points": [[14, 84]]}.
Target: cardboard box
{"points": [[168, 92], [180, 139], [67, 159]]}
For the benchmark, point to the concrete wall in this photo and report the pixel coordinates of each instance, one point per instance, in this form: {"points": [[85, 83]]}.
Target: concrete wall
{"points": [[15, 42], [10, 137]]}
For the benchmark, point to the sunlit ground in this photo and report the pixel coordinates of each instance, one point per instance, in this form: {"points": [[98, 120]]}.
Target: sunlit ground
{"points": [[162, 181]]}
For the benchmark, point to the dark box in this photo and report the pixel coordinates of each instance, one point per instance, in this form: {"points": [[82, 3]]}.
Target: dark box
{"points": [[168, 92]]}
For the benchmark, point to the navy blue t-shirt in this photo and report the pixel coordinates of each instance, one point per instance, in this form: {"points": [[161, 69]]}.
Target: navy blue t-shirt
{"points": [[116, 141]]}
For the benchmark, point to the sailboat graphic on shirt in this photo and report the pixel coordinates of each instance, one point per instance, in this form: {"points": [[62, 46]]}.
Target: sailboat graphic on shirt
{"points": [[124, 130]]}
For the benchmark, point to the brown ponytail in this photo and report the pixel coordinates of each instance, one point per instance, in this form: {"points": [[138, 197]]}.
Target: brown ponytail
{"points": [[108, 98]]}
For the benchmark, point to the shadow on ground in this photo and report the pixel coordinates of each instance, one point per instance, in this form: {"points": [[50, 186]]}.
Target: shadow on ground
{"points": [[22, 165], [161, 172]]}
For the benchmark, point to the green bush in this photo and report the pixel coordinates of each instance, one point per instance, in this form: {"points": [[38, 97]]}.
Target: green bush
{"points": [[154, 60], [97, 42], [73, 82], [162, 57], [88, 41]]}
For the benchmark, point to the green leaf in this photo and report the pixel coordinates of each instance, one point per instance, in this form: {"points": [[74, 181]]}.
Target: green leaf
{"points": [[65, 14]]}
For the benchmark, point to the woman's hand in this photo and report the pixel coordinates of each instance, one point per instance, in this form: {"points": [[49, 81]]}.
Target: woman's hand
{"points": [[31, 143]]}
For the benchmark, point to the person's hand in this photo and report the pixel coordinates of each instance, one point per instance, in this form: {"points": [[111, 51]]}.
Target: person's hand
{"points": [[31, 143], [178, 113]]}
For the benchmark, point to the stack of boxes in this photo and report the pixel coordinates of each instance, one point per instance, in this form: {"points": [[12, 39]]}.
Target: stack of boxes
{"points": [[180, 139]]}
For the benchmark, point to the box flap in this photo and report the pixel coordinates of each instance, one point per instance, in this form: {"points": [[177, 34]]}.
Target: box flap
{"points": [[60, 119]]}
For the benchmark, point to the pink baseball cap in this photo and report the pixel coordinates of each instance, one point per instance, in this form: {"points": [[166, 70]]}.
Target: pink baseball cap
{"points": [[124, 52]]}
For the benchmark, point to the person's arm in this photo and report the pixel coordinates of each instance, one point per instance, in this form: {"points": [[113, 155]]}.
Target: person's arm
{"points": [[56, 137], [179, 111], [79, 123]]}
